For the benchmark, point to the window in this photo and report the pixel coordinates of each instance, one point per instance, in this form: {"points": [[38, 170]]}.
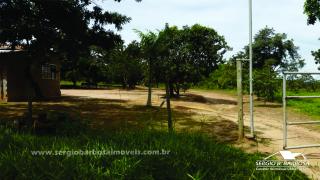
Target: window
{"points": [[49, 71]]}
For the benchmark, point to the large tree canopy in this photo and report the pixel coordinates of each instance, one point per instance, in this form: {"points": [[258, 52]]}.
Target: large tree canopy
{"points": [[65, 27], [276, 50], [316, 55], [312, 10], [272, 53], [187, 55], [124, 65], [68, 26]]}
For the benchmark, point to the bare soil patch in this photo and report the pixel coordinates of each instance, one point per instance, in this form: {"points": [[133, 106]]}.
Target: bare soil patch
{"points": [[212, 112]]}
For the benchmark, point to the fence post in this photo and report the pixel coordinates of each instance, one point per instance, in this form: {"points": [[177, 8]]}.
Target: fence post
{"points": [[240, 100]]}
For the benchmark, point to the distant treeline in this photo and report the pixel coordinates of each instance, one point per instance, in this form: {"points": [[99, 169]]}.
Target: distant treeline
{"points": [[192, 56]]}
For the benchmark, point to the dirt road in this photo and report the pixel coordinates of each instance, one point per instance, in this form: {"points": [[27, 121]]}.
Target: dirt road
{"points": [[216, 113]]}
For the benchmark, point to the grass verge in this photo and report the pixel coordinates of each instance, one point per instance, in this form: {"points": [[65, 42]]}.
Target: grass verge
{"points": [[192, 156], [309, 107]]}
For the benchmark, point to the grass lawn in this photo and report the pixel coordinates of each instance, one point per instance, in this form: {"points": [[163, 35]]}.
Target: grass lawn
{"points": [[191, 156], [309, 107], [103, 125], [69, 83]]}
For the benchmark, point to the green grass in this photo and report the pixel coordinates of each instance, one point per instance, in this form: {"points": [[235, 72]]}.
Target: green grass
{"points": [[192, 155], [309, 107], [69, 83], [232, 92]]}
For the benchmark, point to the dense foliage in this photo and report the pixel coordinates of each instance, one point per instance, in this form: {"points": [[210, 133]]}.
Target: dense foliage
{"points": [[312, 10], [185, 56], [66, 28], [272, 53]]}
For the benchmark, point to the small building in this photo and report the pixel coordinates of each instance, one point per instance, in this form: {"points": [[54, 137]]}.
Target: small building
{"points": [[22, 77]]}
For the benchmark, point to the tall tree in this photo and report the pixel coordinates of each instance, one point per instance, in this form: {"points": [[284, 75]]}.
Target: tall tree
{"points": [[68, 27], [316, 55], [124, 65], [195, 52], [149, 48], [276, 47], [272, 53], [312, 10]]}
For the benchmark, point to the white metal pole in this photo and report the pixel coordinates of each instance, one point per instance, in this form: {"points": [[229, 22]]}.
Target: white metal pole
{"points": [[250, 74], [284, 104]]}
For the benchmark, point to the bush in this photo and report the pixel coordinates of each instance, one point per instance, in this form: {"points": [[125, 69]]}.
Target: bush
{"points": [[266, 85], [223, 78]]}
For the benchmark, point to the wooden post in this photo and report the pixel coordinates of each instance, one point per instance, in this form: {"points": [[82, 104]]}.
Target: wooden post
{"points": [[149, 101], [240, 100], [30, 109], [1, 85], [170, 126]]}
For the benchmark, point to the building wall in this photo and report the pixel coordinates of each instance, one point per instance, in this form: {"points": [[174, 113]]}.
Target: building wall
{"points": [[17, 78], [50, 88], [19, 86]]}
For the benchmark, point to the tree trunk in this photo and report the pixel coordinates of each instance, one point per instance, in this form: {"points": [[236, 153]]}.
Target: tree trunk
{"points": [[149, 102], [124, 86], [170, 126], [74, 83], [33, 83], [171, 89], [177, 90], [1, 85], [29, 109]]}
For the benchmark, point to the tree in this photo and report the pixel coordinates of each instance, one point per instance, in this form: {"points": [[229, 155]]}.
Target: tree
{"points": [[266, 83], [68, 28], [224, 77], [149, 48], [272, 53], [70, 71], [133, 64], [316, 55], [271, 46], [194, 52], [124, 65], [179, 57], [167, 41], [312, 10]]}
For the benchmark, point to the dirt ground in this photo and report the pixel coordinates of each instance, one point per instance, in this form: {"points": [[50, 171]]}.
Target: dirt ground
{"points": [[216, 113], [213, 112]]}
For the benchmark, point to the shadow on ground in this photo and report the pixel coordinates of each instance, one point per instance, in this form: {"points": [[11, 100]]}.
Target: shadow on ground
{"points": [[269, 105], [117, 114], [202, 99]]}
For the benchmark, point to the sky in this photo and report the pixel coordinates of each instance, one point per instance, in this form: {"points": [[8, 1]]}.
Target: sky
{"points": [[228, 17]]}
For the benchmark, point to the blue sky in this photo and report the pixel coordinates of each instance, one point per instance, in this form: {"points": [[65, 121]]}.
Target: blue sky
{"points": [[228, 17]]}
